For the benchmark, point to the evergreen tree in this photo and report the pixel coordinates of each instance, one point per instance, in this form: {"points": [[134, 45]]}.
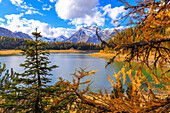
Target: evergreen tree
{"points": [[8, 89], [27, 92]]}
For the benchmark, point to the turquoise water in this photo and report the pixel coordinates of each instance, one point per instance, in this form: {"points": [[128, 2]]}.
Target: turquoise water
{"points": [[68, 63]]}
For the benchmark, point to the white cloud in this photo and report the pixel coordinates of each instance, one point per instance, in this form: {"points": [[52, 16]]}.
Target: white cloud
{"points": [[97, 19], [27, 7], [13, 18], [121, 28], [39, 1], [80, 12], [114, 13], [17, 2], [23, 5], [30, 12], [68, 9], [86, 13], [2, 20], [46, 8], [53, 0], [15, 22]]}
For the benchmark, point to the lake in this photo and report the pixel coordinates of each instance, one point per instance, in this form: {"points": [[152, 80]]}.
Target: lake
{"points": [[68, 63]]}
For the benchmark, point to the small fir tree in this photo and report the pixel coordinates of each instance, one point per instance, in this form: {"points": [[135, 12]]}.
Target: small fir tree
{"points": [[27, 93]]}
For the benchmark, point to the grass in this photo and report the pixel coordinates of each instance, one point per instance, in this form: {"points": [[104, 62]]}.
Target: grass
{"points": [[121, 57], [10, 52], [66, 51], [13, 52], [106, 55]]}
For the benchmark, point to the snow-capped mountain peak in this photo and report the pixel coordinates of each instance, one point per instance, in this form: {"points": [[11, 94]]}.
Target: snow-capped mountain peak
{"points": [[59, 38], [88, 35], [85, 34], [89, 30]]}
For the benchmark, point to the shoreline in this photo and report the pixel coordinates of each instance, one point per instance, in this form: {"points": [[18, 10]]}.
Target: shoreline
{"points": [[95, 54], [66, 51], [15, 52], [120, 57], [9, 52]]}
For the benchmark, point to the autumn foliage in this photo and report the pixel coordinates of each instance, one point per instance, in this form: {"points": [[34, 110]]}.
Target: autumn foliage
{"points": [[146, 42]]}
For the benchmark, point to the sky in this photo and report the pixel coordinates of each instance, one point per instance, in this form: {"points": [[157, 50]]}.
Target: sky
{"points": [[59, 17]]}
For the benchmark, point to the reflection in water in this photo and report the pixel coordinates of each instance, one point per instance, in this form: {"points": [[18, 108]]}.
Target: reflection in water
{"points": [[67, 63]]}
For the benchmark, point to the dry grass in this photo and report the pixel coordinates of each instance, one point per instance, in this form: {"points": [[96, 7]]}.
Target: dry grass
{"points": [[13, 52], [106, 55], [66, 51], [101, 55], [121, 57], [9, 52]]}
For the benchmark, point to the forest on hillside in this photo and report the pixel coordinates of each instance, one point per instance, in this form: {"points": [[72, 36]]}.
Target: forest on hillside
{"points": [[16, 43], [28, 92]]}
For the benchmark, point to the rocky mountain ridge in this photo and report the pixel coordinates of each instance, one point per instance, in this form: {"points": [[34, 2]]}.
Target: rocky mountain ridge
{"points": [[6, 32], [84, 34], [88, 35]]}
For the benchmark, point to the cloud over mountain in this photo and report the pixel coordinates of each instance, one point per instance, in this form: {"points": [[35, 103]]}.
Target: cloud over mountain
{"points": [[16, 22], [60, 17]]}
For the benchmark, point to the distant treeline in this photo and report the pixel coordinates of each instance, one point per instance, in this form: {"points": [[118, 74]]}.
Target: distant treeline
{"points": [[15, 43]]}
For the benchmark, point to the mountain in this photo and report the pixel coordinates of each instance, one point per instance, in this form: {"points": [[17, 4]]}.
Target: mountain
{"points": [[6, 32], [84, 34], [22, 35], [88, 35], [59, 38]]}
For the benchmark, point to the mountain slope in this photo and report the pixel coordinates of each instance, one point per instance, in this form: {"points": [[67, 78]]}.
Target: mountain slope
{"points": [[80, 35], [22, 35], [6, 32], [59, 38], [84, 34], [88, 35]]}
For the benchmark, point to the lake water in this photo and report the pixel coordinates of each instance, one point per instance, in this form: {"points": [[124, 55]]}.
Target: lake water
{"points": [[67, 63]]}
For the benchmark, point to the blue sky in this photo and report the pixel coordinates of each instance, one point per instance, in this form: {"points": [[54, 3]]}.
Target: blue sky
{"points": [[59, 17]]}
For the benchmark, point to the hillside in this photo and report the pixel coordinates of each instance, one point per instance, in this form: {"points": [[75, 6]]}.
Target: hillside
{"points": [[6, 32]]}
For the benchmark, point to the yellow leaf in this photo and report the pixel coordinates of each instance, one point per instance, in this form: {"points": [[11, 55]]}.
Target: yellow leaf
{"points": [[110, 80], [117, 75], [86, 81], [158, 16], [152, 26], [93, 72], [129, 73]]}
